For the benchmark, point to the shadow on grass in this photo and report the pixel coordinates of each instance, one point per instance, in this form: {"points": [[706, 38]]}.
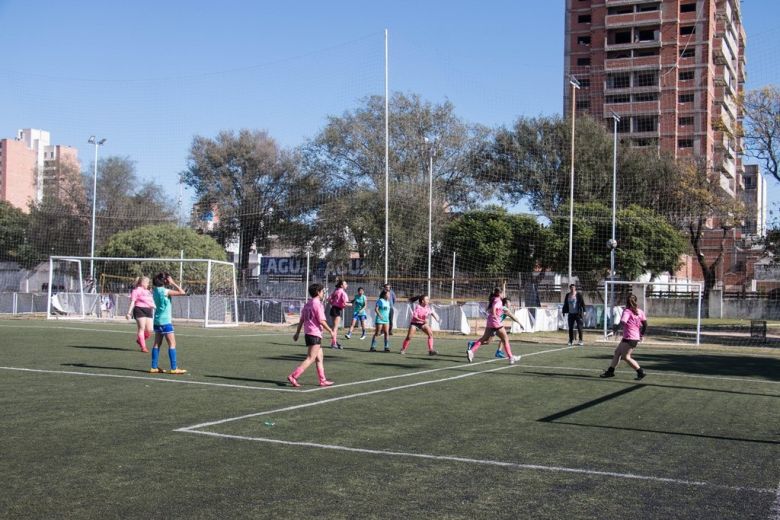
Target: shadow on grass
{"points": [[709, 364], [85, 365], [105, 348], [249, 379]]}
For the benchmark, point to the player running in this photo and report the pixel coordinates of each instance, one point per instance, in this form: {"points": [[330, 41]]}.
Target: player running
{"points": [[493, 326], [420, 314]]}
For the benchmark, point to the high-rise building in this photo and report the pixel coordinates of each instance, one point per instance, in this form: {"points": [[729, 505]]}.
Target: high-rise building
{"points": [[673, 71], [30, 166], [754, 198]]}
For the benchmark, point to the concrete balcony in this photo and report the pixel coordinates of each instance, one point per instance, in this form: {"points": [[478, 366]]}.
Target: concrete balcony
{"points": [[642, 107], [613, 21], [631, 63]]}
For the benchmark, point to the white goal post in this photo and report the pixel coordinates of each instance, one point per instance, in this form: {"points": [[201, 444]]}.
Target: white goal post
{"points": [[696, 285], [212, 290]]}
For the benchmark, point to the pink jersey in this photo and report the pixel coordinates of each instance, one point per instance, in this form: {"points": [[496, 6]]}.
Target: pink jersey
{"points": [[632, 324], [420, 314], [494, 314], [312, 316], [142, 297], [338, 298]]}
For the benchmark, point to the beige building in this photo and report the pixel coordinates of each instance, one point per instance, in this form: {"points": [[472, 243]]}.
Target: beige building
{"points": [[671, 69], [31, 166]]}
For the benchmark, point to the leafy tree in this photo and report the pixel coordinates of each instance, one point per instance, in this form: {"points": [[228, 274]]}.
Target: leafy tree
{"points": [[350, 150], [762, 127], [254, 186], [13, 228]]}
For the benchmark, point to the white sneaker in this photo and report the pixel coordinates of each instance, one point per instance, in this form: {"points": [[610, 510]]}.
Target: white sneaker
{"points": [[363, 336], [569, 343], [514, 359], [470, 355], [581, 343], [348, 335]]}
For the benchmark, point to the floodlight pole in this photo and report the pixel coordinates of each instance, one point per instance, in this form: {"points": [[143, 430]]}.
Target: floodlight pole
{"points": [[92, 140], [387, 157], [574, 86], [431, 153], [613, 244]]}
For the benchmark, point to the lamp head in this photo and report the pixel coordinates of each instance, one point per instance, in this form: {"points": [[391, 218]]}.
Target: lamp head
{"points": [[91, 139], [574, 81], [102, 141]]}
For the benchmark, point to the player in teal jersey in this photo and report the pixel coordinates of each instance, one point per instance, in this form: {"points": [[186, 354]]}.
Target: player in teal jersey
{"points": [[358, 313], [163, 322], [382, 321]]}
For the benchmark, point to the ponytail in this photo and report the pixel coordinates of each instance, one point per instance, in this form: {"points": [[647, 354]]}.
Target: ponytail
{"points": [[632, 304], [495, 294]]}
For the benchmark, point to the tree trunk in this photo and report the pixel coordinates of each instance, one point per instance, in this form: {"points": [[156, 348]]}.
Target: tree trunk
{"points": [[710, 272]]}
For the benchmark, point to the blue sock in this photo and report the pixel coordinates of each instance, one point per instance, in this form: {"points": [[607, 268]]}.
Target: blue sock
{"points": [[155, 356], [387, 343], [172, 357]]}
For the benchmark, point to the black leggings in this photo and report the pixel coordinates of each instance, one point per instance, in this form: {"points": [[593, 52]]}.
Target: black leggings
{"points": [[575, 318]]}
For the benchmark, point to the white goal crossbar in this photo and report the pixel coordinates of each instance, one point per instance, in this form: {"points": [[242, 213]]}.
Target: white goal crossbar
{"points": [[209, 263], [697, 285]]}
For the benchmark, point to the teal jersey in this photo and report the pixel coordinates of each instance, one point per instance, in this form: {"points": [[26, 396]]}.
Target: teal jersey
{"points": [[359, 304], [382, 312], [162, 314], [505, 313]]}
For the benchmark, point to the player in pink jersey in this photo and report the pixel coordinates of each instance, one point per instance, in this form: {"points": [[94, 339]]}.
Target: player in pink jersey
{"points": [[634, 327], [142, 310], [493, 326], [313, 322], [420, 311], [338, 299]]}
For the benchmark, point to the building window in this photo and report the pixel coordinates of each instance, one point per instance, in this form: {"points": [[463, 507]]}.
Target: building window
{"points": [[624, 98], [645, 141], [686, 98], [748, 183], [688, 8], [583, 40], [646, 79], [583, 18], [583, 62], [688, 53], [648, 7], [583, 104], [619, 80], [687, 30], [645, 96], [617, 55], [685, 121], [621, 37], [642, 53], [686, 75], [623, 126], [685, 143], [647, 35], [646, 123], [585, 83]]}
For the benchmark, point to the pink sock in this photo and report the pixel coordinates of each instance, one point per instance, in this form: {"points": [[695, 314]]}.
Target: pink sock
{"points": [[508, 350], [405, 344], [321, 372], [430, 343], [141, 340], [476, 346], [297, 373], [147, 334]]}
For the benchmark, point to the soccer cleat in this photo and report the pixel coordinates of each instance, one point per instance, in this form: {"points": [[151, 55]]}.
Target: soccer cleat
{"points": [[372, 349], [640, 374], [156, 371], [363, 337], [500, 354], [293, 381], [569, 343], [338, 346], [325, 382], [470, 355], [386, 349], [432, 353], [581, 343], [176, 371], [144, 350], [469, 345], [514, 359], [607, 373], [334, 347], [402, 351], [348, 335]]}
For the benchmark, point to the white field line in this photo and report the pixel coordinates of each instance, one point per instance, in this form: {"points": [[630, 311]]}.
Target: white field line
{"points": [[151, 379], [132, 331], [353, 396], [654, 374], [774, 512], [511, 465]]}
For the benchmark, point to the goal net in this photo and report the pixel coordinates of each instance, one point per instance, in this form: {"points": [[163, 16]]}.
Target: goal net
{"points": [[681, 300], [99, 288]]}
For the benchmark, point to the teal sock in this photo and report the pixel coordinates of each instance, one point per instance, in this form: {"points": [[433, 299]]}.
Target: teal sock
{"points": [[373, 342], [387, 343], [172, 357], [155, 356]]}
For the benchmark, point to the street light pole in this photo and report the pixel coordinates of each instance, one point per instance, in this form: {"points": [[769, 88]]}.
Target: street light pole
{"points": [[613, 242], [574, 86], [92, 140], [431, 153]]}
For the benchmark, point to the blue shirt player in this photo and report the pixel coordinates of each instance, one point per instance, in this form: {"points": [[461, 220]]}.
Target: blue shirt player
{"points": [[163, 323]]}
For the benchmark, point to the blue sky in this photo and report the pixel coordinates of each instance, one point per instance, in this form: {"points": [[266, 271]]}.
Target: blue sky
{"points": [[148, 75]]}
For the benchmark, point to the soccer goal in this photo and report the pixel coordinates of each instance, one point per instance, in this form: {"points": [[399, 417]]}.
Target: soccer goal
{"points": [[99, 288], [686, 291]]}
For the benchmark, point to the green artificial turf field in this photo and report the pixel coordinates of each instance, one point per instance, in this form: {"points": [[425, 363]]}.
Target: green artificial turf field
{"points": [[88, 433]]}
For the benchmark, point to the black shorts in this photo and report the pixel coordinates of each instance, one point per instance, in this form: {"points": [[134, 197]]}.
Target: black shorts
{"points": [[143, 312], [492, 331], [312, 340], [335, 312], [419, 325], [632, 343]]}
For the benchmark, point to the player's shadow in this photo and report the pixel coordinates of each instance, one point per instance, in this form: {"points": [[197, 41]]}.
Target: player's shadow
{"points": [[709, 364], [85, 365], [92, 347], [248, 379]]}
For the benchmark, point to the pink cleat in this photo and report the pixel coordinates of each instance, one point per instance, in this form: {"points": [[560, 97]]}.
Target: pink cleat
{"points": [[325, 382], [293, 381]]}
